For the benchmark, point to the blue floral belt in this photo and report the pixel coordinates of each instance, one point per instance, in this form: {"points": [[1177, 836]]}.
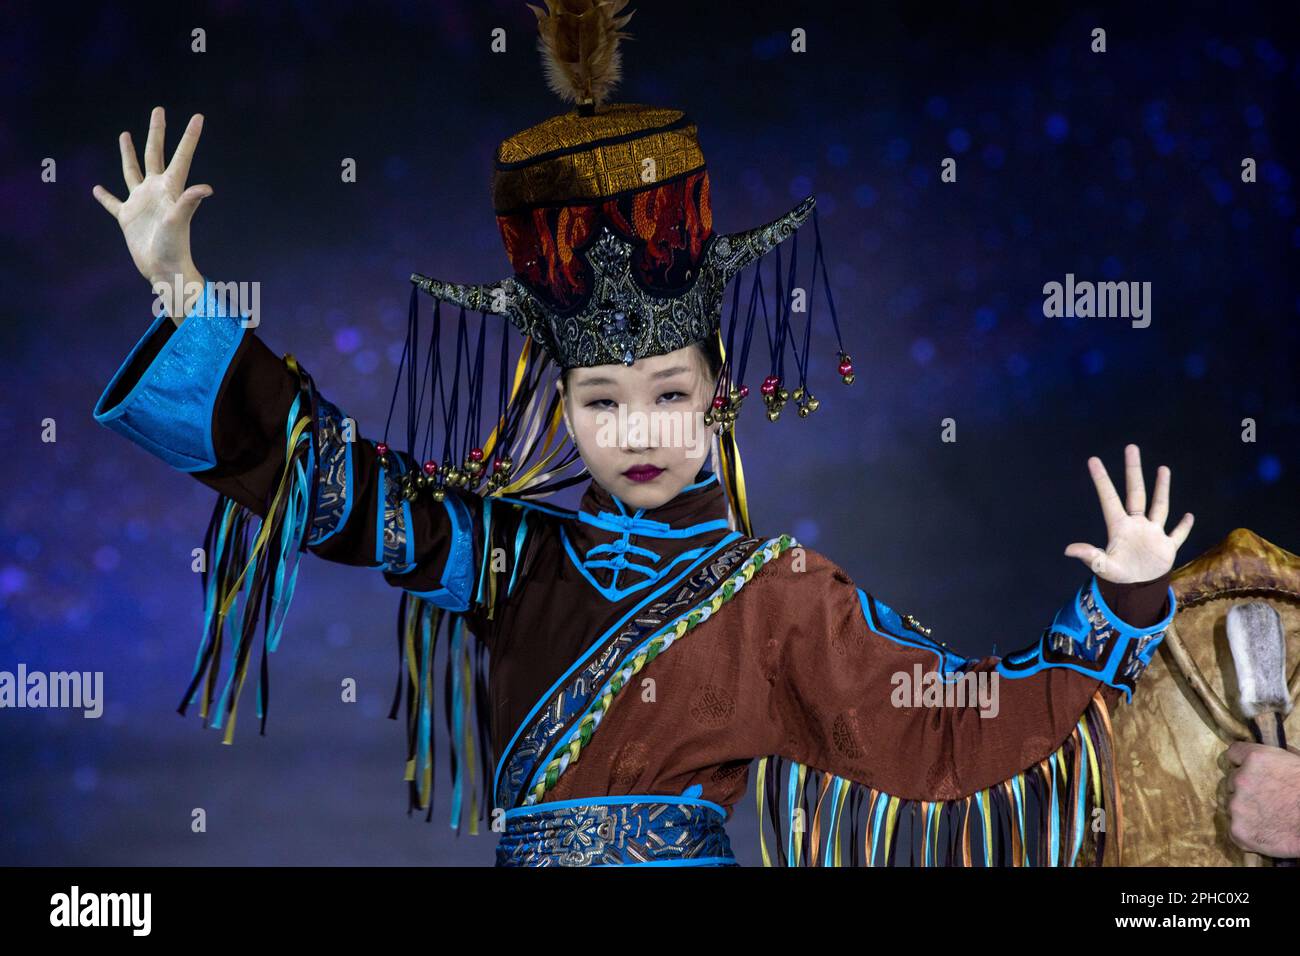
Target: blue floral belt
{"points": [[632, 830]]}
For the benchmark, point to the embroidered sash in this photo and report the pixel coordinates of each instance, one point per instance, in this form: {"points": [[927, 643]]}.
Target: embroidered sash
{"points": [[617, 831]]}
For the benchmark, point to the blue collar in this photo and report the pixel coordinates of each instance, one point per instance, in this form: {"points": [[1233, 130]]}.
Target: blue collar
{"points": [[676, 531], [699, 507]]}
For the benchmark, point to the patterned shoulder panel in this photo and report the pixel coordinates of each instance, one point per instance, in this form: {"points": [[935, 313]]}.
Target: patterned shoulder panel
{"points": [[335, 489]]}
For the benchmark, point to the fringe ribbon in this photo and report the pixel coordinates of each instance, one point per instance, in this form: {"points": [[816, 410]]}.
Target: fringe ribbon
{"points": [[261, 571], [466, 711], [1043, 816]]}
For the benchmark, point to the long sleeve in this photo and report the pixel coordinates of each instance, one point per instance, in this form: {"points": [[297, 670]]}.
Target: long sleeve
{"points": [[210, 399], [857, 693]]}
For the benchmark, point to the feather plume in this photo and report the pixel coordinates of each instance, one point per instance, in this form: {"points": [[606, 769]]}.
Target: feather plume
{"points": [[578, 40]]}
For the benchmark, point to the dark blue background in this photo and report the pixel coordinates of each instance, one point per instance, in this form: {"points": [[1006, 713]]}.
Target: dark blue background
{"points": [[1120, 166]]}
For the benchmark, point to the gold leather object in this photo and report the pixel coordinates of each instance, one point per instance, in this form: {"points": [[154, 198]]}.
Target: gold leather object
{"points": [[1169, 742]]}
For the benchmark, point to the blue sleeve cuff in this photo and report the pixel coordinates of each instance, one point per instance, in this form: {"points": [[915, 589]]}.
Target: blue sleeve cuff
{"points": [[168, 411], [1089, 637]]}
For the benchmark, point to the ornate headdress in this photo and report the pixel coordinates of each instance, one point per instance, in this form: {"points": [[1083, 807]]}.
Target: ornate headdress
{"points": [[604, 212]]}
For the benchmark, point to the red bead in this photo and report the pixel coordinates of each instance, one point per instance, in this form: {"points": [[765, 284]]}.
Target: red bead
{"points": [[744, 391], [719, 401], [476, 454], [768, 387], [381, 448], [496, 464], [846, 368], [430, 467]]}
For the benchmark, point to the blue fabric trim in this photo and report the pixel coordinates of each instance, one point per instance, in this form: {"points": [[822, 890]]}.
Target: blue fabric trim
{"points": [[1054, 825], [702, 861], [828, 859], [424, 751], [620, 564], [458, 572], [608, 801], [286, 572], [350, 477], [168, 412], [1096, 642], [623, 546], [694, 486], [458, 718], [1080, 811], [544, 698], [410, 538], [547, 509], [381, 499], [876, 845], [487, 551], [635, 524], [712, 479], [791, 785], [1126, 629], [613, 593], [519, 543], [884, 620]]}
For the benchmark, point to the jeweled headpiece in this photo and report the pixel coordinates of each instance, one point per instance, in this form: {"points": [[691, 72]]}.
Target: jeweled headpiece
{"points": [[604, 212]]}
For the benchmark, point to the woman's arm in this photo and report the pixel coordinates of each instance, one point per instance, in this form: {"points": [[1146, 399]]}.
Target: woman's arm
{"points": [[205, 394], [854, 689], [895, 724]]}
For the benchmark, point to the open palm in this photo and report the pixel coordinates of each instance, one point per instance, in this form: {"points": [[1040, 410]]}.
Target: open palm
{"points": [[1137, 548], [155, 218]]}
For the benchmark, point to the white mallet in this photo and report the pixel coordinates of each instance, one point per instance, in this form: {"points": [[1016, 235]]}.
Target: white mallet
{"points": [[1259, 653]]}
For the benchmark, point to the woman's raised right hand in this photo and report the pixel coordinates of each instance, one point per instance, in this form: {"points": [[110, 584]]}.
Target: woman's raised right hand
{"points": [[155, 218]]}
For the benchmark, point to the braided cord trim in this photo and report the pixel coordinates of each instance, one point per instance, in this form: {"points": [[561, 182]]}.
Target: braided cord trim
{"points": [[582, 733]]}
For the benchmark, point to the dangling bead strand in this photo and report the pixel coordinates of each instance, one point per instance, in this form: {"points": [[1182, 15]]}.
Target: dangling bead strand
{"points": [[774, 396]]}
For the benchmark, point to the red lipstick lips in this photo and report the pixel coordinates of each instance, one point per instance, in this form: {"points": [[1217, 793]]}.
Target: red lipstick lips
{"points": [[643, 473]]}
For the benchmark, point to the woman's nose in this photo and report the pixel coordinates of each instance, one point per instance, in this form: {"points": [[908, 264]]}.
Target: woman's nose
{"points": [[639, 430]]}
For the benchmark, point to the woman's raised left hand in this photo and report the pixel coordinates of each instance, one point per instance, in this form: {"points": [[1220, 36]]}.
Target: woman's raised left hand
{"points": [[1137, 548]]}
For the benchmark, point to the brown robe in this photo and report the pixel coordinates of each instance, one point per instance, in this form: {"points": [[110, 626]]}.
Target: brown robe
{"points": [[790, 665]]}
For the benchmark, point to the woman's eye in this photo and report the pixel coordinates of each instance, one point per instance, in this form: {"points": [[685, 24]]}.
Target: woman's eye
{"points": [[601, 403], [672, 396]]}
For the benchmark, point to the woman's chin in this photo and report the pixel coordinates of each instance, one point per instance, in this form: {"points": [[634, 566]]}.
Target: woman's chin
{"points": [[648, 494]]}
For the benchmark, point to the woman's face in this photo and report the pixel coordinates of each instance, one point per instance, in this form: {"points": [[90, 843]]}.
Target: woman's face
{"points": [[644, 420]]}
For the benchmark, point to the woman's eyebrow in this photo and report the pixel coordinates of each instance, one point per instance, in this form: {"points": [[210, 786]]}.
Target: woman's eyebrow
{"points": [[675, 370], [605, 380]]}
